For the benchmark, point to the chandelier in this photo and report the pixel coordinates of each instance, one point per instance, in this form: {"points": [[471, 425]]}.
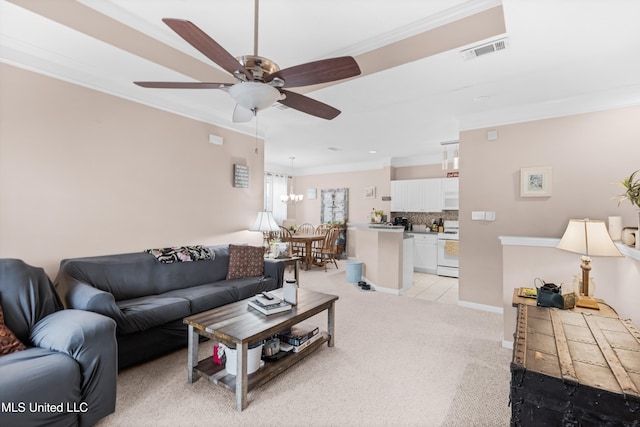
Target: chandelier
{"points": [[291, 198]]}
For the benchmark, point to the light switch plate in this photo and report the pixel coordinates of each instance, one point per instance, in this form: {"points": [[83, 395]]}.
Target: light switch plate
{"points": [[477, 215], [490, 216]]}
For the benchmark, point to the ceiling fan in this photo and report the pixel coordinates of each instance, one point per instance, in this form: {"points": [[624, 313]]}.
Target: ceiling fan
{"points": [[261, 82]]}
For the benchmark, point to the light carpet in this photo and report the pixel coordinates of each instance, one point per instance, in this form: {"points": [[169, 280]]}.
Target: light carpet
{"points": [[398, 361]]}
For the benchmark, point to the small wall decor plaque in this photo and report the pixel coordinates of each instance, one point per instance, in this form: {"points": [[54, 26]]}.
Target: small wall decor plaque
{"points": [[370, 192], [311, 193], [535, 181], [240, 176]]}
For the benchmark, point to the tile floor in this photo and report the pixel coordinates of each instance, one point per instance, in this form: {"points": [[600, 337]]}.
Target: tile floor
{"points": [[434, 288]]}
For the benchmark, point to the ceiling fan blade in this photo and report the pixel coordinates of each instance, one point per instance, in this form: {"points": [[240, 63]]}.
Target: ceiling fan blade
{"points": [[308, 105], [209, 47], [183, 85], [241, 114], [316, 72]]}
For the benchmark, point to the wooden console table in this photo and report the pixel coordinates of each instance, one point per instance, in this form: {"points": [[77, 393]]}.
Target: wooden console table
{"points": [[605, 309], [574, 367]]}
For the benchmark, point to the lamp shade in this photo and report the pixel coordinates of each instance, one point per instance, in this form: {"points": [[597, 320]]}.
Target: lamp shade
{"points": [[588, 237], [265, 222]]}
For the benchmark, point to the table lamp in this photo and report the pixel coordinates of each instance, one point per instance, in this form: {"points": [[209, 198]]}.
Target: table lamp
{"points": [[589, 238], [266, 223]]}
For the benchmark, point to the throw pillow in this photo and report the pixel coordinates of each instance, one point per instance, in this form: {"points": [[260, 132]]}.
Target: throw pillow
{"points": [[245, 261], [8, 341]]}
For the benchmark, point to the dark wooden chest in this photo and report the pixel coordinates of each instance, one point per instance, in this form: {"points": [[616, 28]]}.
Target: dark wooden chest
{"points": [[574, 369]]}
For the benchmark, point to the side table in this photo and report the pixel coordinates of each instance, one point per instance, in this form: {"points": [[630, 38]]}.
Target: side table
{"points": [[294, 262]]}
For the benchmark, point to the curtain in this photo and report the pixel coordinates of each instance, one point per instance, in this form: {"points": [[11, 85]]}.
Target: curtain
{"points": [[274, 187]]}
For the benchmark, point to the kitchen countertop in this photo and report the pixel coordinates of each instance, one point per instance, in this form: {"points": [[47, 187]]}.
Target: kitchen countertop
{"points": [[377, 227]]}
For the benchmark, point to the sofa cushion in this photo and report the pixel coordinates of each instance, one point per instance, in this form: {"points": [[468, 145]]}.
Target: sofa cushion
{"points": [[8, 341], [251, 286], [205, 297], [245, 261], [140, 314]]}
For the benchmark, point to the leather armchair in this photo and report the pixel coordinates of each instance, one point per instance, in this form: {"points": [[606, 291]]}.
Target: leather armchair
{"points": [[68, 373]]}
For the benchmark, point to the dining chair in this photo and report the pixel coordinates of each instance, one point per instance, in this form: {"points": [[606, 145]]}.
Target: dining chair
{"points": [[321, 230], [327, 253], [285, 237], [305, 228]]}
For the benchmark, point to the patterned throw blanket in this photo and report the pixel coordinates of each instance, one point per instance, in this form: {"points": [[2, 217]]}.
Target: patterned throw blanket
{"points": [[181, 254]]}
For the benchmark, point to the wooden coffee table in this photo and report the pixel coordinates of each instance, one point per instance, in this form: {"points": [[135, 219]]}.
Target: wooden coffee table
{"points": [[237, 325]]}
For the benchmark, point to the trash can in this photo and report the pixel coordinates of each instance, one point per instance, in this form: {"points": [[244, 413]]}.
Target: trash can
{"points": [[354, 271]]}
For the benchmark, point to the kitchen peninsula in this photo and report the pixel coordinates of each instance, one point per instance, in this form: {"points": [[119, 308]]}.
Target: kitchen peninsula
{"points": [[386, 253]]}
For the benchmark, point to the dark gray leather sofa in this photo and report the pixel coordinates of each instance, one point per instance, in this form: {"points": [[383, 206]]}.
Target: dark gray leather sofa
{"points": [[148, 299], [67, 374]]}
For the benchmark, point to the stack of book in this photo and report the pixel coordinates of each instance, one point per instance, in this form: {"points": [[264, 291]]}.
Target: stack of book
{"points": [[299, 337], [267, 304]]}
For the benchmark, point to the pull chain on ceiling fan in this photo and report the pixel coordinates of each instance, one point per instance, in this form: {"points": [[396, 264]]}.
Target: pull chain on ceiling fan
{"points": [[261, 81]]}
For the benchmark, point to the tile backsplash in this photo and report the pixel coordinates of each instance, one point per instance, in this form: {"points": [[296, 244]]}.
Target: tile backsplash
{"points": [[426, 217]]}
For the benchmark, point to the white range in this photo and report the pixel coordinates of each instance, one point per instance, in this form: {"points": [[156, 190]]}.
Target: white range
{"points": [[448, 249]]}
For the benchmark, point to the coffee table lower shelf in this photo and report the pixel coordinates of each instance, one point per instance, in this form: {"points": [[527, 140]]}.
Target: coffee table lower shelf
{"points": [[219, 376]]}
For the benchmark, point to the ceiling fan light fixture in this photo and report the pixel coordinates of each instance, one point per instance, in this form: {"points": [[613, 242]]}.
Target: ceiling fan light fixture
{"points": [[254, 96]]}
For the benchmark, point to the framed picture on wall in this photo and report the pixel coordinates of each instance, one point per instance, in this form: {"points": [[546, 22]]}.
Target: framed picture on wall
{"points": [[334, 205], [370, 192], [535, 181], [311, 193]]}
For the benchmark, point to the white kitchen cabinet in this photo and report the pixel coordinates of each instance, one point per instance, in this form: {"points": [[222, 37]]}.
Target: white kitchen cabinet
{"points": [[399, 196], [416, 195], [425, 252], [432, 191], [450, 194]]}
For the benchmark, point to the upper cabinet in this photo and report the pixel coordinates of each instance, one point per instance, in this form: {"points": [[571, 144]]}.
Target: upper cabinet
{"points": [[399, 196], [450, 194], [424, 195]]}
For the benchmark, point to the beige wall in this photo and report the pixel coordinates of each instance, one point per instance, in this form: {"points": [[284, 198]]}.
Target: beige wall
{"points": [[588, 153], [359, 207], [83, 173], [418, 172]]}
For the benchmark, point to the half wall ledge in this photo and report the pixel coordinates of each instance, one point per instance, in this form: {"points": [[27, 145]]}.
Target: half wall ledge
{"points": [[552, 242]]}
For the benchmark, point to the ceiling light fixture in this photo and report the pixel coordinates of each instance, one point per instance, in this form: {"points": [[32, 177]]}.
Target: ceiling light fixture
{"points": [[445, 155], [252, 97], [291, 198]]}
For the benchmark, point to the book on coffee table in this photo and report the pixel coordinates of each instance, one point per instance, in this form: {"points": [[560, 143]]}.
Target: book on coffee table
{"points": [[307, 343], [278, 307], [267, 300], [298, 333]]}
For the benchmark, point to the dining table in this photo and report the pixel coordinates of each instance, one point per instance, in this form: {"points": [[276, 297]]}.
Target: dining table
{"points": [[307, 239]]}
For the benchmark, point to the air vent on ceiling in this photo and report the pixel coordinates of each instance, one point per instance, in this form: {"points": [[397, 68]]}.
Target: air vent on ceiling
{"points": [[485, 48]]}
